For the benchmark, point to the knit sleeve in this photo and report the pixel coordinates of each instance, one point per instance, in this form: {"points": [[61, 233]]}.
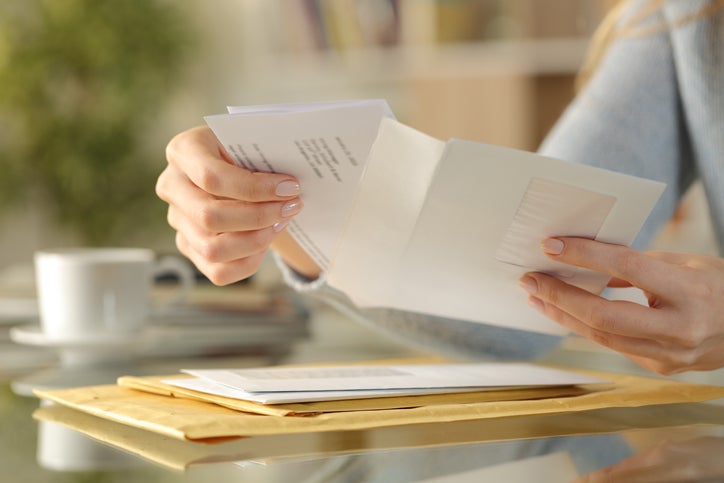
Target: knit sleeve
{"points": [[448, 337], [628, 118]]}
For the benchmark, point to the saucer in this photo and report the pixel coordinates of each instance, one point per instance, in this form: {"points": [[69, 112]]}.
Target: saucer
{"points": [[34, 335]]}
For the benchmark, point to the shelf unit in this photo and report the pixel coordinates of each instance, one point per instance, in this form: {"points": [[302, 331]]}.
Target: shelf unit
{"points": [[503, 88]]}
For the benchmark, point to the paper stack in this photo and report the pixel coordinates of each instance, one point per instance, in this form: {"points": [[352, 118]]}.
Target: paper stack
{"points": [[151, 404], [276, 385]]}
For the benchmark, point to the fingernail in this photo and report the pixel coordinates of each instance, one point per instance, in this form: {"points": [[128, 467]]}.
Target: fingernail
{"points": [[279, 225], [529, 284], [564, 273], [536, 303], [287, 188], [291, 208], [552, 246]]}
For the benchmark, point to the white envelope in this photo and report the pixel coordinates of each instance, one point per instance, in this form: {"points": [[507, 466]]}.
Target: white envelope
{"points": [[448, 228], [382, 380]]}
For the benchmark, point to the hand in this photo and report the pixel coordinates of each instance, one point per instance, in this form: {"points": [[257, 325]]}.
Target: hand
{"points": [[225, 217], [681, 329], [675, 461]]}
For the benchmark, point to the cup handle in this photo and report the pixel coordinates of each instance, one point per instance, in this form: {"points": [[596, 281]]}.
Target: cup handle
{"points": [[173, 265]]}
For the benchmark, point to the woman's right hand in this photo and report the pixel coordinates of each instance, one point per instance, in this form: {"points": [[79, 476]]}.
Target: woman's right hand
{"points": [[225, 217]]}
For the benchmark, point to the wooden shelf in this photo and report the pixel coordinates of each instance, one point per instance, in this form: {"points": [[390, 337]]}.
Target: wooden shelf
{"points": [[392, 64]]}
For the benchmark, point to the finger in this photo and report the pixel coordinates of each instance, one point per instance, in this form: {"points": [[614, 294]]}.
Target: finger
{"points": [[616, 317], [215, 215], [674, 258], [221, 273], [641, 270], [198, 154], [221, 216], [618, 283], [663, 347], [640, 347], [221, 247], [666, 368]]}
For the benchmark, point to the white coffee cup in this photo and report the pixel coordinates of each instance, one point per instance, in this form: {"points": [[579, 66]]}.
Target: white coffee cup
{"points": [[91, 293]]}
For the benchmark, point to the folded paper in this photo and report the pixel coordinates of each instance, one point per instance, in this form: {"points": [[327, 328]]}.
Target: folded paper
{"points": [[434, 245]]}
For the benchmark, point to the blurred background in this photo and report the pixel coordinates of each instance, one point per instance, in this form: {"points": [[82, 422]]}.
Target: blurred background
{"points": [[92, 90]]}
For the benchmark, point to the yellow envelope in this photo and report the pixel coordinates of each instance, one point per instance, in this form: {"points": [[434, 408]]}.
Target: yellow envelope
{"points": [[189, 419]]}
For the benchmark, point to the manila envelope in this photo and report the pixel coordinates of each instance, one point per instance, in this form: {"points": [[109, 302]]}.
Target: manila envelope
{"points": [[189, 419]]}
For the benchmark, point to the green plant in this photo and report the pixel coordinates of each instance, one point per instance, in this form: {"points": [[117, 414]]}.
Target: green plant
{"points": [[81, 81]]}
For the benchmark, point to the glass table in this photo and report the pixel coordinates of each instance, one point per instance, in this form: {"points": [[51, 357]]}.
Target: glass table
{"points": [[677, 442]]}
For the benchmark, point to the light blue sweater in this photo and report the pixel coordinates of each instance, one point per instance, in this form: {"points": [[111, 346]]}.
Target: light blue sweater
{"points": [[655, 109]]}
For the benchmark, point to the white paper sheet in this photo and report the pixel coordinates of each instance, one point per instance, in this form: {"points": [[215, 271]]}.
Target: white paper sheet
{"points": [[324, 145], [392, 377]]}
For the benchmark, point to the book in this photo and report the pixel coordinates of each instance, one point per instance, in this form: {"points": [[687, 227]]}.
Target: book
{"points": [[399, 219]]}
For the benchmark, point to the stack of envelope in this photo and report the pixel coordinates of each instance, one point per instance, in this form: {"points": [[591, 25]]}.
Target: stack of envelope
{"points": [[158, 405]]}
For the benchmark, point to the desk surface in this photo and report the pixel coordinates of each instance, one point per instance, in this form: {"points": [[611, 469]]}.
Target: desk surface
{"points": [[654, 443]]}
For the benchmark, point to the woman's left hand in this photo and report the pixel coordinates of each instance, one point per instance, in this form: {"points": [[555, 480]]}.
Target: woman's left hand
{"points": [[682, 328]]}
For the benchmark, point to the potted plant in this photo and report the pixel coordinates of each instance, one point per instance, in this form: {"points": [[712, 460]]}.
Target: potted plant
{"points": [[81, 82]]}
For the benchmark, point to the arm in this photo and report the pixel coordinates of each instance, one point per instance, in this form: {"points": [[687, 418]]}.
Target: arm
{"points": [[295, 257]]}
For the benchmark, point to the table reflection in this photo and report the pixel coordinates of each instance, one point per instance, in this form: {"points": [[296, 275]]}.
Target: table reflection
{"points": [[591, 441], [63, 449], [697, 459], [596, 445]]}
